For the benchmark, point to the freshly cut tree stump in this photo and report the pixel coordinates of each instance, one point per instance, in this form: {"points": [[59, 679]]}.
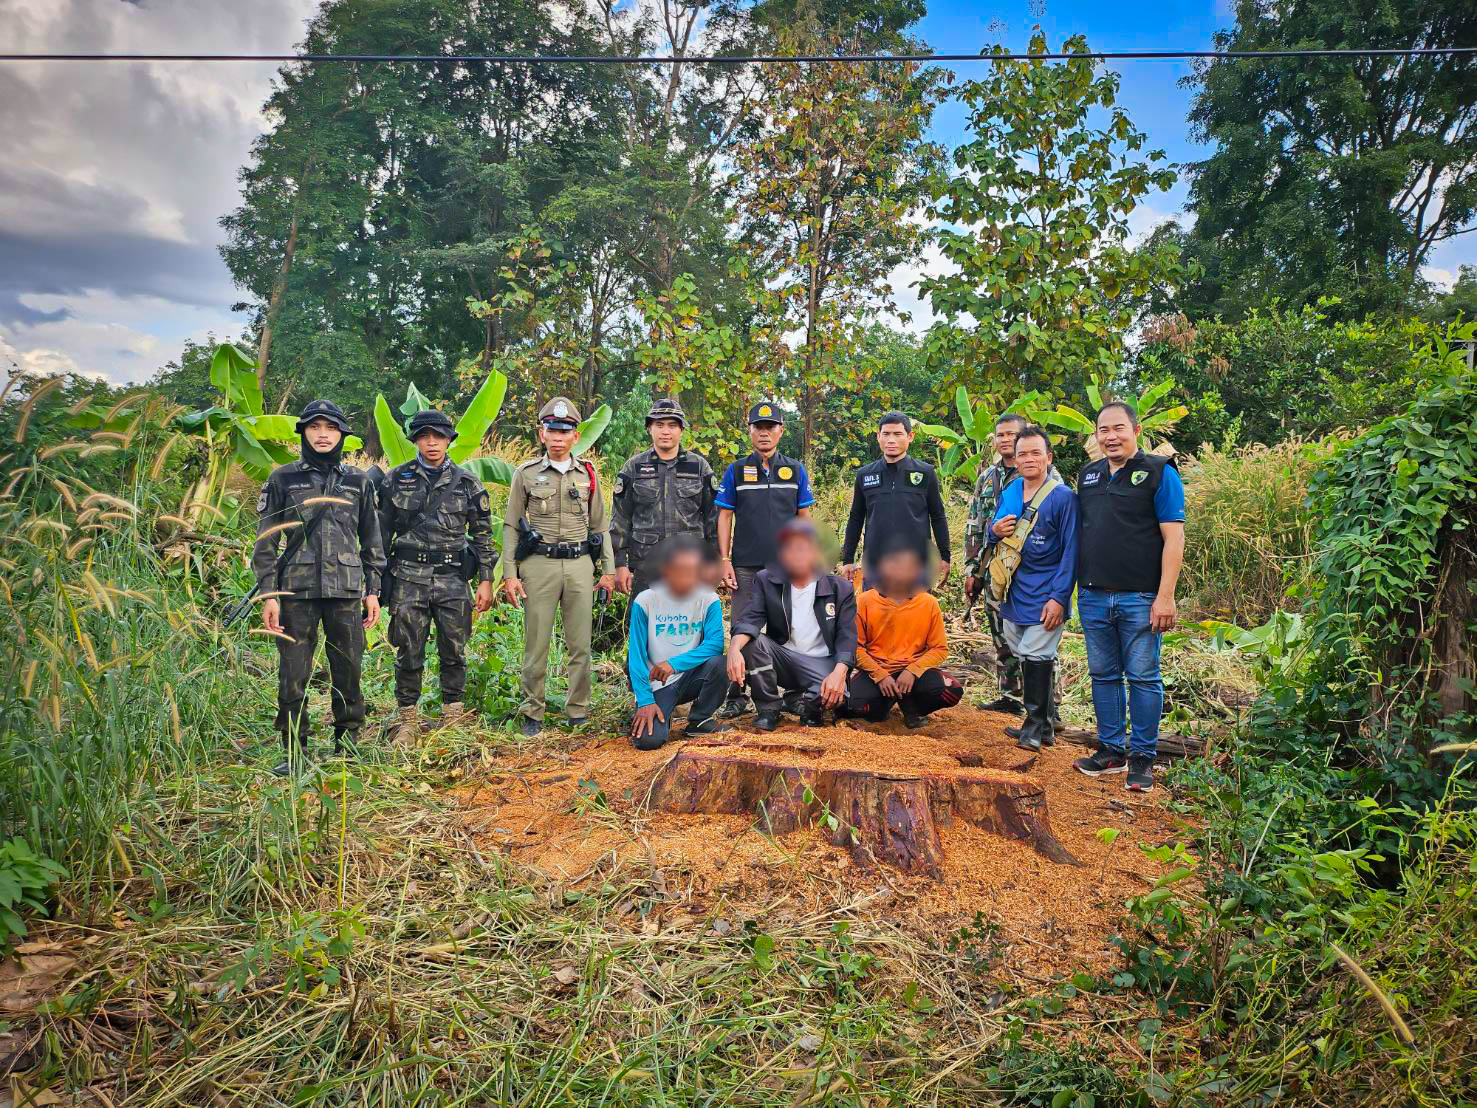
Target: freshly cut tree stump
{"points": [[881, 813]]}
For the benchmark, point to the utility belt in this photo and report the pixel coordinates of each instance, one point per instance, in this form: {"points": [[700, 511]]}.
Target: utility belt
{"points": [[436, 559], [530, 542]]}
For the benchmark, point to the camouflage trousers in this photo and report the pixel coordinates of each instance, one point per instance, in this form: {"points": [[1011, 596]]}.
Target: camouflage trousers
{"points": [[1007, 665], [343, 633], [445, 600]]}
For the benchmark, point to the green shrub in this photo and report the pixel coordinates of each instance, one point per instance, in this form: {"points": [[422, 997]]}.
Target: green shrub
{"points": [[1248, 528], [27, 881]]}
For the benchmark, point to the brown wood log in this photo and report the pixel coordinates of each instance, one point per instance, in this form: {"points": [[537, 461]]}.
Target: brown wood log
{"points": [[880, 816], [1170, 746]]}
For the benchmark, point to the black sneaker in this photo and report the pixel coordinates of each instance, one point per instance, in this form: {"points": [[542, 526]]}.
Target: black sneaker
{"points": [[734, 708], [914, 721], [793, 703], [766, 721], [531, 726], [811, 716], [1140, 773], [711, 726], [1102, 761]]}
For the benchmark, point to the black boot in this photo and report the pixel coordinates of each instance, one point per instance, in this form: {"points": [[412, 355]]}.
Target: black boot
{"points": [[345, 742], [1055, 713], [1037, 730], [290, 756]]}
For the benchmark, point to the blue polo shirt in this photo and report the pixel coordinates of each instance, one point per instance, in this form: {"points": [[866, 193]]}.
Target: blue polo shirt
{"points": [[1048, 569]]}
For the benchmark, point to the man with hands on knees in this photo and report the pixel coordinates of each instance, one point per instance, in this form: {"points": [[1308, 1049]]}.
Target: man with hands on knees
{"points": [[1042, 510], [675, 651], [796, 631]]}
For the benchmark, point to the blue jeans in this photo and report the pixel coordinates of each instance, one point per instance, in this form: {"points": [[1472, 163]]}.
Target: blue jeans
{"points": [[1121, 645]]}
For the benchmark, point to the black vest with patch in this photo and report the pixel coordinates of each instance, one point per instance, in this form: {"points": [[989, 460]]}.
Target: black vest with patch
{"points": [[1121, 545], [764, 501]]}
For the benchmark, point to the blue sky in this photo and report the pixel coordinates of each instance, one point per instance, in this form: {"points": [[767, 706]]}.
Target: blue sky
{"points": [[115, 177]]}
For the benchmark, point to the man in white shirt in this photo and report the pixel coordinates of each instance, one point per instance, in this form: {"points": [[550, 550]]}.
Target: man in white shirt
{"points": [[796, 631]]}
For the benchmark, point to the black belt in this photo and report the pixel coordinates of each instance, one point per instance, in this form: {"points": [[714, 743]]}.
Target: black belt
{"points": [[434, 558], [565, 550]]}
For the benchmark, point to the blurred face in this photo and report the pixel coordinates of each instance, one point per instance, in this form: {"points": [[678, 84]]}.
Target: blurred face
{"points": [[557, 443], [766, 436], [1117, 435], [894, 440], [1032, 456], [900, 571], [1005, 434], [681, 572], [711, 573], [799, 556], [666, 435], [432, 447], [323, 435]]}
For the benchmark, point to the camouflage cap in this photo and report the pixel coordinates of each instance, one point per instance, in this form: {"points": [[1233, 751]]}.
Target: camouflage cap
{"points": [[429, 419], [322, 409], [666, 408], [559, 414]]}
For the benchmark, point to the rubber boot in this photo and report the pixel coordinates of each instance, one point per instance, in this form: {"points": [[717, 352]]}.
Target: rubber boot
{"points": [[345, 743], [1055, 700], [407, 726], [1037, 730]]}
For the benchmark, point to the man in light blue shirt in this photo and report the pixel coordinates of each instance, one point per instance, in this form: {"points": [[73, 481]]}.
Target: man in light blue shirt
{"points": [[675, 650]]}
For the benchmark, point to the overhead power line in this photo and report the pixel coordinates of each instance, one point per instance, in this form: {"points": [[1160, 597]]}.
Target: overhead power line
{"points": [[753, 59]]}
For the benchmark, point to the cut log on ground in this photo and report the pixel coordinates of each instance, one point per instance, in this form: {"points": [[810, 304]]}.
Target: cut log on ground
{"points": [[881, 814], [1170, 746]]}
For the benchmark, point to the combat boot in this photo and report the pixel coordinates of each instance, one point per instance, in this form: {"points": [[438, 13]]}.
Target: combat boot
{"points": [[407, 726], [455, 714], [295, 754]]}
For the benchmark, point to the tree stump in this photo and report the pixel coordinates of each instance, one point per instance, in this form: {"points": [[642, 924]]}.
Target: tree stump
{"points": [[879, 813]]}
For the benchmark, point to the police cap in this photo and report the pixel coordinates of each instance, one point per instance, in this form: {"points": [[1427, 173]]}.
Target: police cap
{"points": [[560, 414], [666, 408], [765, 411], [429, 419], [322, 409]]}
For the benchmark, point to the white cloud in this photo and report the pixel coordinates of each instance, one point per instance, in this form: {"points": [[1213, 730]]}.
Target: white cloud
{"points": [[116, 174], [1443, 279]]}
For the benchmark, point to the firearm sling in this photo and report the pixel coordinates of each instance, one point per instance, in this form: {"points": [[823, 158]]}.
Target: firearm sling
{"points": [[1006, 558]]}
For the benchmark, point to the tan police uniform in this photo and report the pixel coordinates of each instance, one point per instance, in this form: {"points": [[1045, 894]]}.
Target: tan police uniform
{"points": [[563, 507]]}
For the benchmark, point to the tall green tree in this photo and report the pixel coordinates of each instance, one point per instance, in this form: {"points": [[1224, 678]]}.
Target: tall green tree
{"points": [[1332, 176], [1043, 287], [826, 191]]}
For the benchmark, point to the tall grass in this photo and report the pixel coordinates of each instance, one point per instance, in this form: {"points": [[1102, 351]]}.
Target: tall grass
{"points": [[1248, 529]]}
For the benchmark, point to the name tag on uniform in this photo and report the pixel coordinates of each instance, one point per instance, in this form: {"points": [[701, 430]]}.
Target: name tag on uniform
{"points": [[871, 480], [1091, 478], [751, 473]]}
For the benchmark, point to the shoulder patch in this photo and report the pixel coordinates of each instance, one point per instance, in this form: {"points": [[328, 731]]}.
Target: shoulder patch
{"points": [[261, 502], [620, 484], [484, 502]]}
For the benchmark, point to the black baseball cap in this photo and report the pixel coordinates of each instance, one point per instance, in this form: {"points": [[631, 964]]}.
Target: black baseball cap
{"points": [[428, 419], [322, 409], [766, 411]]}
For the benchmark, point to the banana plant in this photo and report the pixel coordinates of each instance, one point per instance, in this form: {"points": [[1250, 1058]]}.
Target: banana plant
{"points": [[1067, 418], [471, 428], [236, 430]]}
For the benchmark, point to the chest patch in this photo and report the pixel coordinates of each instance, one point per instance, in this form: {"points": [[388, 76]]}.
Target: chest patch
{"points": [[751, 473], [646, 470], [786, 473], [871, 480], [1091, 478], [1139, 477], [915, 478]]}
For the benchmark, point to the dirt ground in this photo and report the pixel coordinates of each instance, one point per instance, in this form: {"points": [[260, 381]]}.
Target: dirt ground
{"points": [[581, 818]]}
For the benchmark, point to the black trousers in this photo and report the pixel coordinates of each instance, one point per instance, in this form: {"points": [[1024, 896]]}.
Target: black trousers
{"points": [[703, 688], [343, 633], [933, 690], [774, 669]]}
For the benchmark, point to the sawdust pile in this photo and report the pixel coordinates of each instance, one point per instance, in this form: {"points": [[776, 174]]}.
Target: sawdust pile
{"points": [[581, 817]]}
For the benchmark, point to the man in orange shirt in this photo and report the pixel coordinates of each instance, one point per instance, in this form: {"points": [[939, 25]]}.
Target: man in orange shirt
{"points": [[900, 646]]}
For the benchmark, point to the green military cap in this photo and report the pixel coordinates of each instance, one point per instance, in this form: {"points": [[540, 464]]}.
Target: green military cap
{"points": [[559, 414]]}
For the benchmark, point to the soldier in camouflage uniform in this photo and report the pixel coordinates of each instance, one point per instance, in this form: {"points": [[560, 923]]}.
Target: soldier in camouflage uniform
{"points": [[318, 560], [660, 493], [987, 488], [554, 534], [435, 516]]}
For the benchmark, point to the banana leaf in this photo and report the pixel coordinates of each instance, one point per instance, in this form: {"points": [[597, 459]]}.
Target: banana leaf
{"points": [[478, 417], [397, 448], [592, 428]]}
